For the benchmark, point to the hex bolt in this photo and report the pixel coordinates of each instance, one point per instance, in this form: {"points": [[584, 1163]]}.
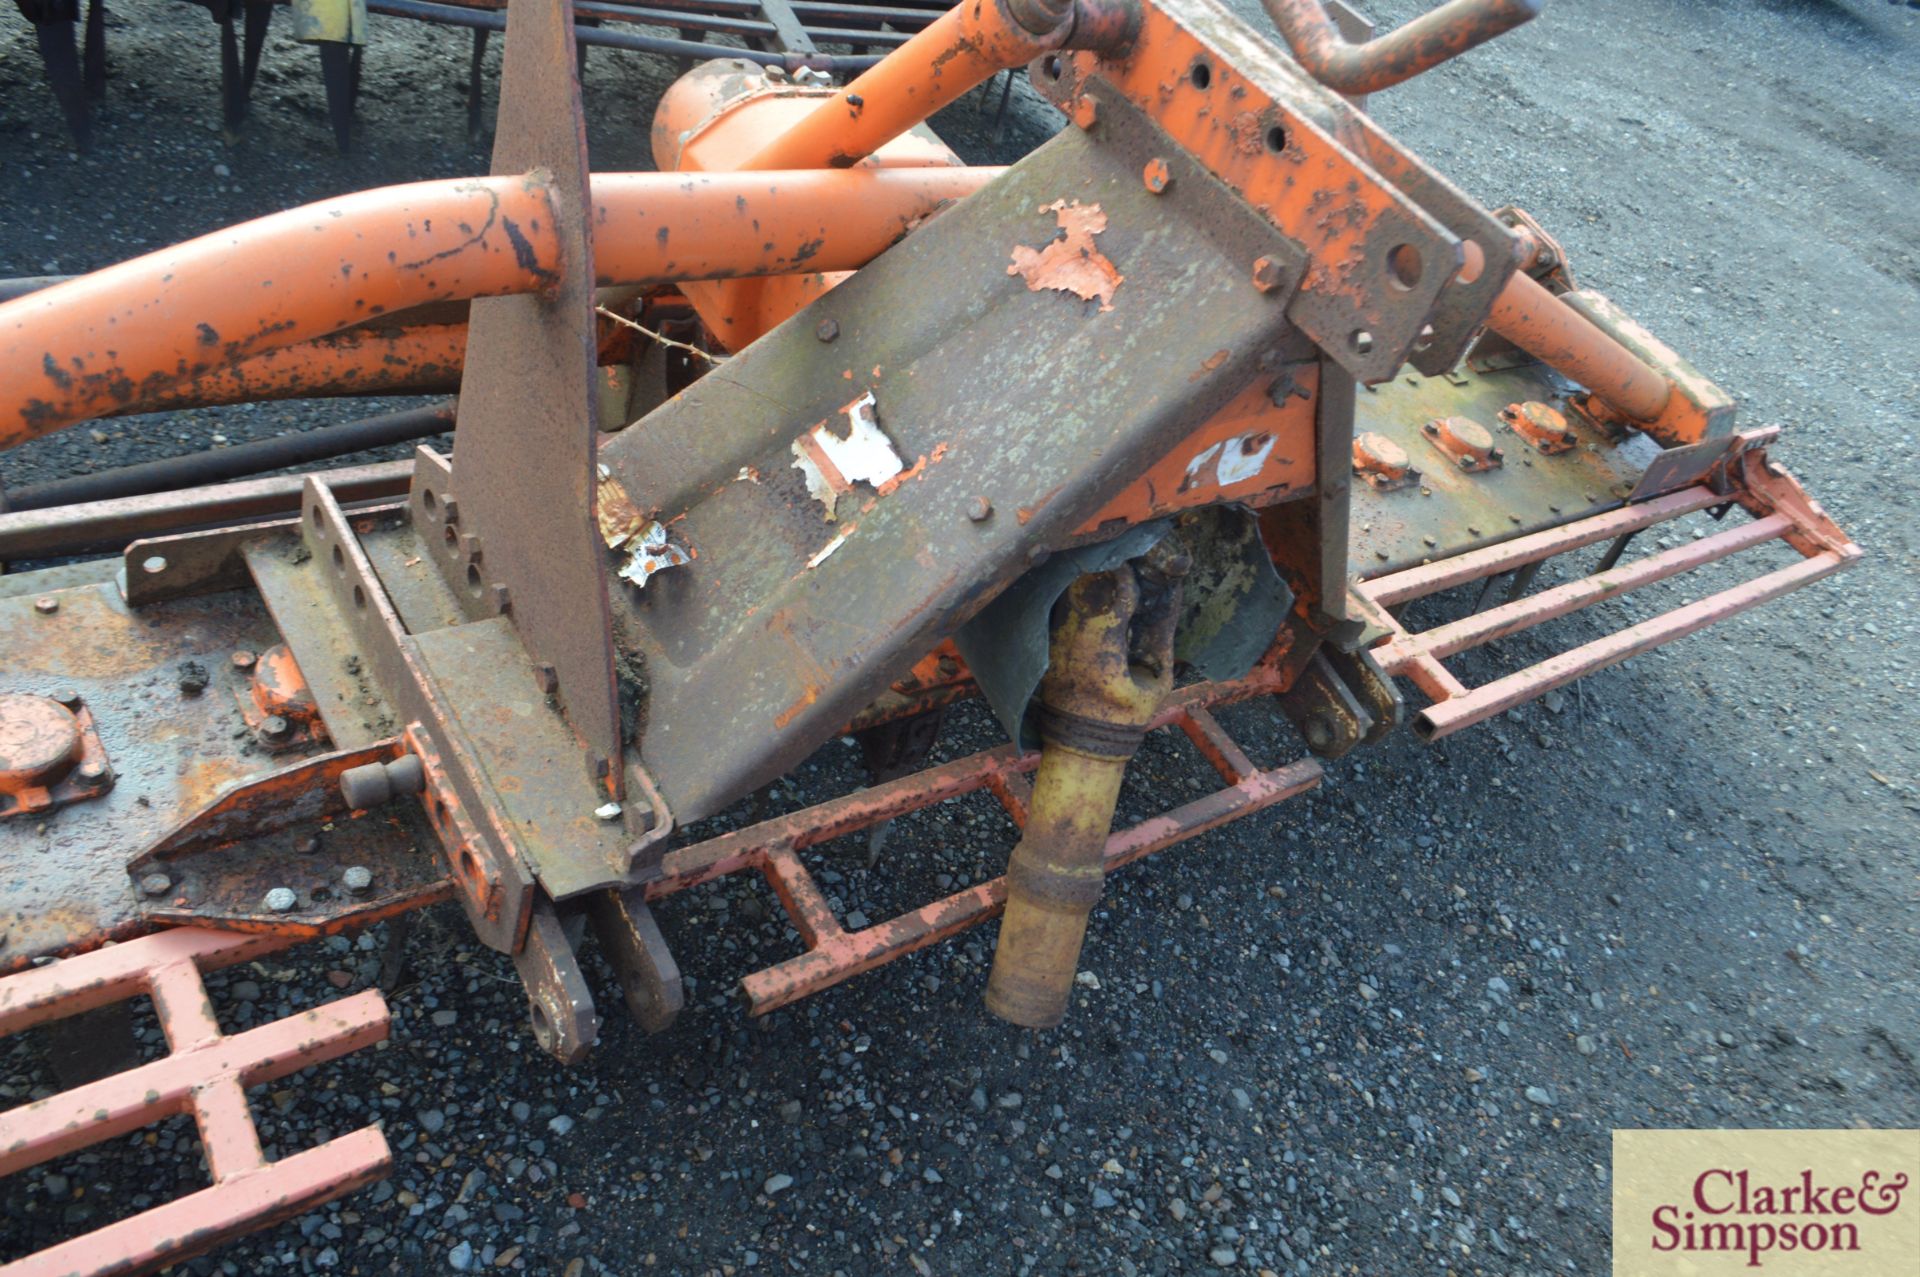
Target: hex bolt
{"points": [[243, 659], [46, 605], [93, 771], [281, 899], [274, 729], [502, 600], [357, 878], [979, 509], [1268, 274], [156, 884], [827, 329], [371, 784], [68, 697], [1155, 175]]}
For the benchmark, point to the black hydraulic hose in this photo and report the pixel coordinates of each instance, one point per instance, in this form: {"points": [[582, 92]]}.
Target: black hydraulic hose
{"points": [[239, 461]]}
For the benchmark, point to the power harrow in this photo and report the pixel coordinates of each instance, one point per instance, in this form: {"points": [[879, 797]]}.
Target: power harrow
{"points": [[814, 431]]}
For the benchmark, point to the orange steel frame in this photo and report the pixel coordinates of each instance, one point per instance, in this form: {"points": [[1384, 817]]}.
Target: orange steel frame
{"points": [[790, 191]]}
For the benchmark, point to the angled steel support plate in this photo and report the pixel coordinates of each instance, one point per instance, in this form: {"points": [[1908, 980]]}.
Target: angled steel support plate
{"points": [[525, 469], [1023, 402]]}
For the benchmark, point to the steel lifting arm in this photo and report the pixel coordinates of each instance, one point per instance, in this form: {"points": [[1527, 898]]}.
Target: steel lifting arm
{"points": [[1420, 45]]}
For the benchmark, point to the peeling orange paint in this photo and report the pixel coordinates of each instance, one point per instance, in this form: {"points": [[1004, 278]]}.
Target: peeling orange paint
{"points": [[1070, 263]]}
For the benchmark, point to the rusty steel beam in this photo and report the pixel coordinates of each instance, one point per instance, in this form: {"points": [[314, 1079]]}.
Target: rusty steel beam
{"points": [[110, 525], [126, 334], [1380, 63]]}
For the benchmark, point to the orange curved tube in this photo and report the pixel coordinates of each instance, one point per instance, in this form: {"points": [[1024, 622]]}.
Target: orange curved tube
{"points": [[961, 49], [359, 361], [123, 336], [1532, 318], [662, 228]]}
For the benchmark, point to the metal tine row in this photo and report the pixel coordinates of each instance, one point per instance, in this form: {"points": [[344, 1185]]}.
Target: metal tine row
{"points": [[784, 34]]}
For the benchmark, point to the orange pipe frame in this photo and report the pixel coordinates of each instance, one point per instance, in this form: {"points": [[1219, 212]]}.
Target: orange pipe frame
{"points": [[357, 361], [128, 334], [958, 51]]}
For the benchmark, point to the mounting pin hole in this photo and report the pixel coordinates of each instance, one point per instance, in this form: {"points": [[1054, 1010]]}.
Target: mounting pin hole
{"points": [[1201, 75], [1403, 266], [1276, 139]]}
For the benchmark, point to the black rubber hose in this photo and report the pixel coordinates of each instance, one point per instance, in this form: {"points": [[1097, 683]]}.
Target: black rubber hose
{"points": [[219, 464]]}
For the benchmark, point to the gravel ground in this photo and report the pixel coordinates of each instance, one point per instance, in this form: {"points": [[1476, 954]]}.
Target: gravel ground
{"points": [[1385, 1028]]}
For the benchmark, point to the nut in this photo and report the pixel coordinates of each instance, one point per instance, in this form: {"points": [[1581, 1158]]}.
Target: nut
{"points": [[281, 899], [979, 509], [357, 878], [827, 329], [243, 659], [275, 728], [1268, 274], [46, 605]]}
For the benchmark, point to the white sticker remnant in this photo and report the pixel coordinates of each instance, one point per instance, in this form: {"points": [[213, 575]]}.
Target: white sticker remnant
{"points": [[1233, 460], [653, 552], [833, 463]]}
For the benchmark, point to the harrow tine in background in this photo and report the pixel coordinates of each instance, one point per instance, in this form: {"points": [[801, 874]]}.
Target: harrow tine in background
{"points": [[259, 17], [233, 90], [339, 73], [62, 63], [476, 87], [93, 66]]}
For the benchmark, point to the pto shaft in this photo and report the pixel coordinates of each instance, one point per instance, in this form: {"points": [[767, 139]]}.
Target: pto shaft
{"points": [[1095, 703]]}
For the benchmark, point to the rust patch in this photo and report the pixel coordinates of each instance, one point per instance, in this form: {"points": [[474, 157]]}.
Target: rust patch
{"points": [[1070, 263]]}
